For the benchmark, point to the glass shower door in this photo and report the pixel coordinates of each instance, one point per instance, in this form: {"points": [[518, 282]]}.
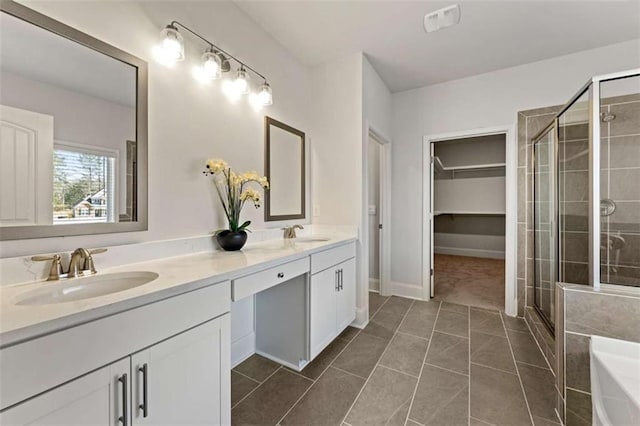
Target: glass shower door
{"points": [[544, 217]]}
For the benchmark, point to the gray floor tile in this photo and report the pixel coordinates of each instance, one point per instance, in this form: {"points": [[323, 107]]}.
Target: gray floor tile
{"points": [[349, 333], [450, 352], [496, 397], [453, 307], [512, 323], [539, 421], [525, 348], [314, 369], [488, 322], [328, 400], [375, 301], [405, 353], [540, 390], [361, 356], [491, 351], [385, 393], [478, 422], [257, 367], [240, 387], [441, 398], [269, 402], [383, 325], [397, 305], [421, 307], [418, 323], [453, 323]]}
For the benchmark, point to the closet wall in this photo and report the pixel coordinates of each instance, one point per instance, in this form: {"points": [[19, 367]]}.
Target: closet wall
{"points": [[469, 196]]}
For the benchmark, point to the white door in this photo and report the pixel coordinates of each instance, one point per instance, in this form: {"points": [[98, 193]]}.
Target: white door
{"points": [[322, 316], [432, 283], [26, 167], [95, 399], [184, 380], [346, 296]]}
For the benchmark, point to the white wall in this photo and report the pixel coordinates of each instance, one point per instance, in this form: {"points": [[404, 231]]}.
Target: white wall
{"points": [[486, 100], [188, 123], [374, 217]]}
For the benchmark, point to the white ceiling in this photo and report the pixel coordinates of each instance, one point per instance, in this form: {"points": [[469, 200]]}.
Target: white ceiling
{"points": [[491, 35], [37, 54]]}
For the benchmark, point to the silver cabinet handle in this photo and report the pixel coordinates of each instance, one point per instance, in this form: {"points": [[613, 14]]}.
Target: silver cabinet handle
{"points": [[341, 279], [125, 400], [337, 280], [145, 402]]}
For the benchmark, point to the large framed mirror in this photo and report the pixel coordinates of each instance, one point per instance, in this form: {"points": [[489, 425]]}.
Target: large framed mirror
{"points": [[285, 169], [73, 131]]}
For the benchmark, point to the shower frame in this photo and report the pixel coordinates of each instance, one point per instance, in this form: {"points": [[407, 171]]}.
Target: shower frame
{"points": [[592, 87]]}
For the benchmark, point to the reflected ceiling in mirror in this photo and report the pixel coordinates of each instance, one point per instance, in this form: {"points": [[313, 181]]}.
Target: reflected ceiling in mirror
{"points": [[73, 120]]}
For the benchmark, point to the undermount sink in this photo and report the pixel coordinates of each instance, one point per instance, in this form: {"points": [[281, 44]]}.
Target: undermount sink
{"points": [[615, 381], [310, 239], [84, 288]]}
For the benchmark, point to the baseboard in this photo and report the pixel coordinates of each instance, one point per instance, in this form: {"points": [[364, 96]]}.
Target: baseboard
{"points": [[243, 348], [456, 251], [362, 318], [374, 284], [406, 290]]}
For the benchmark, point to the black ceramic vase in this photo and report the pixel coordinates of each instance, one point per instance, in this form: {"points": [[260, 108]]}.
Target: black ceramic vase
{"points": [[231, 241]]}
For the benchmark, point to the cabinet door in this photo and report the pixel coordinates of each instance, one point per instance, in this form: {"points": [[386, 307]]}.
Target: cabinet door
{"points": [[187, 378], [346, 296], [323, 309], [97, 398]]}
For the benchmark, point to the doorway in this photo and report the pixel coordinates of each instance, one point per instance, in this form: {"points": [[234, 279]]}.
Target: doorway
{"points": [[469, 243]]}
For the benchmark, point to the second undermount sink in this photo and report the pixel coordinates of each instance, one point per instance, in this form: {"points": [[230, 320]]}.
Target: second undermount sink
{"points": [[84, 288], [310, 239]]}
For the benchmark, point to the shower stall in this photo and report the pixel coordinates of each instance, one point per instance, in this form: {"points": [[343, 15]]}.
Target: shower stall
{"points": [[586, 191]]}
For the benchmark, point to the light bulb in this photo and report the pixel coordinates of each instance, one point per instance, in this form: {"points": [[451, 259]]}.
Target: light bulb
{"points": [[241, 81], [211, 65], [265, 95], [171, 47]]}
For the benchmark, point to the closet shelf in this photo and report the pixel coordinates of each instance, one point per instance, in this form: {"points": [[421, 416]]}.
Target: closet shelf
{"points": [[439, 167], [438, 213]]}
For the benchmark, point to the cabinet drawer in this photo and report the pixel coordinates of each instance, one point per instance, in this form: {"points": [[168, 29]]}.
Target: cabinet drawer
{"points": [[326, 259], [255, 283]]}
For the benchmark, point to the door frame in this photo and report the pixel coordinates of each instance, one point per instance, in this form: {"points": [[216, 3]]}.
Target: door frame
{"points": [[385, 209], [511, 185]]}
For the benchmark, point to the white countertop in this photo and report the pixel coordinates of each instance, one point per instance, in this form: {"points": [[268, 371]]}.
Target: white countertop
{"points": [[177, 275]]}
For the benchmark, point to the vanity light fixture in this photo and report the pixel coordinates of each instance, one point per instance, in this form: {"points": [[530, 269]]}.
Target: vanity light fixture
{"points": [[214, 62]]}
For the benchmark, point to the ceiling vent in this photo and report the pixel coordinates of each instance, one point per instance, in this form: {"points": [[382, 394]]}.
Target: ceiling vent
{"points": [[443, 18]]}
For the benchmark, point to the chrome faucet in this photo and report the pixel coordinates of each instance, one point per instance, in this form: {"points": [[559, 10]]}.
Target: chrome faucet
{"points": [[290, 231]]}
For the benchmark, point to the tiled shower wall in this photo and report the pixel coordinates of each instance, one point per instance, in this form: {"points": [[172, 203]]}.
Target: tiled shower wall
{"points": [[613, 311]]}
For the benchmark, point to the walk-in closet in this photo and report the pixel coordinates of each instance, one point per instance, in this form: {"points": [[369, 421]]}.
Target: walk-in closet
{"points": [[468, 231]]}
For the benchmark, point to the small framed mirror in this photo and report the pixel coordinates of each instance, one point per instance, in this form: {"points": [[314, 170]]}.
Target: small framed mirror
{"points": [[73, 131], [285, 169]]}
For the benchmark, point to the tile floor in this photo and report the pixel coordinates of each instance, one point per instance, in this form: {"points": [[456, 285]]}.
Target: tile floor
{"points": [[416, 363], [471, 281]]}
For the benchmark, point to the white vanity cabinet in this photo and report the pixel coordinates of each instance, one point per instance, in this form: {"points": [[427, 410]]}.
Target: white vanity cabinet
{"points": [[93, 399], [333, 295], [184, 380], [173, 368]]}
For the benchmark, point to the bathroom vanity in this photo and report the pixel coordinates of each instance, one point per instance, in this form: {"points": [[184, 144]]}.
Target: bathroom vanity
{"points": [[160, 352]]}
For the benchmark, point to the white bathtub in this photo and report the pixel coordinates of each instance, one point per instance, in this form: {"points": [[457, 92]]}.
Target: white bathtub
{"points": [[615, 381]]}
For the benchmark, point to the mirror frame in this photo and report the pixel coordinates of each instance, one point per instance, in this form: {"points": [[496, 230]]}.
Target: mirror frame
{"points": [[141, 224], [268, 217]]}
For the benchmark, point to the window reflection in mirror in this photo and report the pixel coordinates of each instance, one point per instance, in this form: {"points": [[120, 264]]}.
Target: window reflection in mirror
{"points": [[69, 127]]}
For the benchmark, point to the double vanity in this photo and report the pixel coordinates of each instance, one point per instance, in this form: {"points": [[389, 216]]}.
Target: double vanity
{"points": [[150, 343]]}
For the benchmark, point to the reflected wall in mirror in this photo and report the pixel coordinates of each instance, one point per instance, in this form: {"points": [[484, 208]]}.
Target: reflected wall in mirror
{"points": [[285, 169], [73, 119]]}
